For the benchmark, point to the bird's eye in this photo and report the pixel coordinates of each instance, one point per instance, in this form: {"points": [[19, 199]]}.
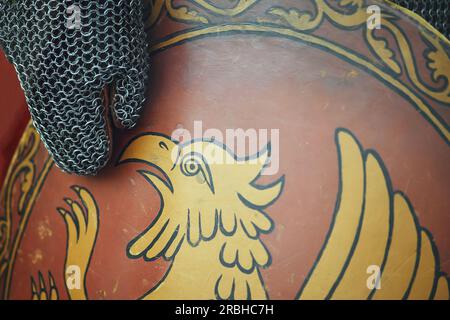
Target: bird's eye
{"points": [[190, 165], [193, 164]]}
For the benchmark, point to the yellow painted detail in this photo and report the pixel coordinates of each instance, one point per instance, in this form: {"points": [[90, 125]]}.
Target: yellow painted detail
{"points": [[388, 238]]}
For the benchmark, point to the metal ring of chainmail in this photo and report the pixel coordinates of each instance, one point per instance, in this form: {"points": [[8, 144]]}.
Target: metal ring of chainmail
{"points": [[63, 72], [436, 12]]}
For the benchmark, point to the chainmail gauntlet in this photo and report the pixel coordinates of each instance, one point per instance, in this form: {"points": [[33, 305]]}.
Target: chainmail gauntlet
{"points": [[64, 65], [436, 12], [64, 69]]}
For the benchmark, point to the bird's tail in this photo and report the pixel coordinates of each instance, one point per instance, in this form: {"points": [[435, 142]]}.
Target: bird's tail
{"points": [[375, 248]]}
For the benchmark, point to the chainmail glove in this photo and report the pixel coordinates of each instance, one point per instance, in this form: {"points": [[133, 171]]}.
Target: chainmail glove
{"points": [[65, 63], [436, 12]]}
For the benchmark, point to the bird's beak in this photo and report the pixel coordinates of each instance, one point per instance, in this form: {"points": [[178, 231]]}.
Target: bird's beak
{"points": [[157, 151]]}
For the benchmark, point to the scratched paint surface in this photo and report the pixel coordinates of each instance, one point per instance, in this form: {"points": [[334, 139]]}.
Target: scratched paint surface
{"points": [[263, 77]]}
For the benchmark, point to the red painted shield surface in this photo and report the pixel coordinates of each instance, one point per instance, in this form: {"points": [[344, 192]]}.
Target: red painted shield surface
{"points": [[286, 151]]}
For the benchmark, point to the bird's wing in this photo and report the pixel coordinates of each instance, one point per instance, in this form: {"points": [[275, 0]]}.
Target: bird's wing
{"points": [[373, 227], [165, 234], [162, 238]]}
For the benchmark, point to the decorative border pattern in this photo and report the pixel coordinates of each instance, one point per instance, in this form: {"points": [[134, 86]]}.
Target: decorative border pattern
{"points": [[23, 172], [398, 71], [207, 19]]}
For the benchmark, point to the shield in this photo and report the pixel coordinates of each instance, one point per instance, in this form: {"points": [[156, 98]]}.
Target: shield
{"points": [[296, 150]]}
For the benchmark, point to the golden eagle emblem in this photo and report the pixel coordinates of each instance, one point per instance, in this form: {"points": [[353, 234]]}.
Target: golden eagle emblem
{"points": [[213, 213], [210, 221]]}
